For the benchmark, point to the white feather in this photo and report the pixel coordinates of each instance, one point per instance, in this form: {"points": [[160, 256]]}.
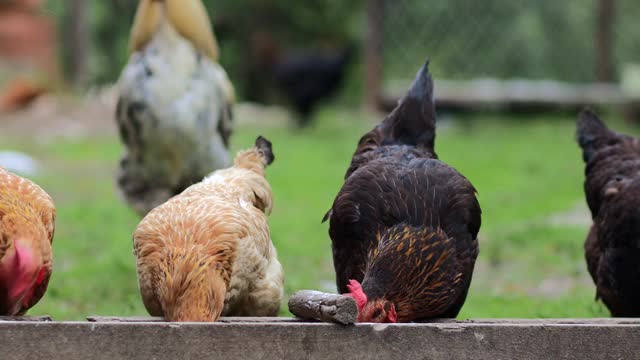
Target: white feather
{"points": [[184, 97]]}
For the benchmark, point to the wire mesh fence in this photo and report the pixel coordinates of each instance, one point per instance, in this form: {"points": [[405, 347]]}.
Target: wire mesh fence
{"points": [[505, 39]]}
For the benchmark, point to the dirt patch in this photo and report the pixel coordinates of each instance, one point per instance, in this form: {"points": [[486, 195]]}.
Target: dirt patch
{"points": [[52, 117]]}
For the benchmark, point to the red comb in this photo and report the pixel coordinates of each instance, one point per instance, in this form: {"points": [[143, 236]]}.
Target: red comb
{"points": [[392, 315], [355, 291]]}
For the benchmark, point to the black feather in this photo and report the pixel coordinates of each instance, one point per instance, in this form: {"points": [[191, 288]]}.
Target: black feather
{"points": [[413, 121], [265, 148], [398, 197], [592, 133], [612, 189]]}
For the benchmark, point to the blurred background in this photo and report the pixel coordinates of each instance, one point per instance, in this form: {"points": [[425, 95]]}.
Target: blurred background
{"points": [[510, 76]]}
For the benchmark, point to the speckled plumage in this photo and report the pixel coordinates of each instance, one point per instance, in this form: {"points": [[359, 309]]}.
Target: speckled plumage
{"points": [[404, 223], [208, 251], [174, 113], [612, 189], [27, 214]]}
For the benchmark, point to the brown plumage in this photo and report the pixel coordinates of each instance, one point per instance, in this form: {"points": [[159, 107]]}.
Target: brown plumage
{"points": [[27, 223], [207, 252], [612, 189], [405, 224]]}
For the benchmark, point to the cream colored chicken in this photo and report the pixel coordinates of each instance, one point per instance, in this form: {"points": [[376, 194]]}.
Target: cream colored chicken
{"points": [[207, 252], [175, 101]]}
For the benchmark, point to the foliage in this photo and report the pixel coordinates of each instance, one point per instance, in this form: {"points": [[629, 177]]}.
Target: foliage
{"points": [[300, 24], [464, 38], [504, 38]]}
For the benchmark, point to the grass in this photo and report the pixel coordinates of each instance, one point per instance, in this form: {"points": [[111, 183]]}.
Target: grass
{"points": [[526, 171]]}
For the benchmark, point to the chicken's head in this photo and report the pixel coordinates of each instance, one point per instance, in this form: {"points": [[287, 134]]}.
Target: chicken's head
{"points": [[21, 264], [193, 291], [375, 311]]}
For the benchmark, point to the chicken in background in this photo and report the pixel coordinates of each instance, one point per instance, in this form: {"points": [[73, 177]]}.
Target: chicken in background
{"points": [[404, 225], [19, 94], [305, 77], [27, 223], [174, 111], [207, 252], [612, 189]]}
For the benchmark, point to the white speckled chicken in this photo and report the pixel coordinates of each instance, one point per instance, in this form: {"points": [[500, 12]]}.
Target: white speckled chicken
{"points": [[175, 101], [207, 252]]}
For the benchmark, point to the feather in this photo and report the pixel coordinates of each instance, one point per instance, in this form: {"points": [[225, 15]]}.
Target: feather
{"points": [[188, 17], [207, 252], [27, 225], [412, 122], [174, 110], [612, 188], [592, 133], [404, 224]]}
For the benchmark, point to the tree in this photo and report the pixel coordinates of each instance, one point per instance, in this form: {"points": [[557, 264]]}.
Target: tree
{"points": [[78, 37]]}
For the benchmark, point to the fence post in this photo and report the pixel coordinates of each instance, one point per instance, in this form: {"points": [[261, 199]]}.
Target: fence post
{"points": [[605, 14], [373, 55], [78, 39]]}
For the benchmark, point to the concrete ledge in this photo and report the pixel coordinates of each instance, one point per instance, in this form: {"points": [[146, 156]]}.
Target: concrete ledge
{"points": [[26, 318], [281, 338]]}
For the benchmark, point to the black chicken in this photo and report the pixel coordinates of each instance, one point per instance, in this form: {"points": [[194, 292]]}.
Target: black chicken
{"points": [[310, 77], [612, 188], [404, 223]]}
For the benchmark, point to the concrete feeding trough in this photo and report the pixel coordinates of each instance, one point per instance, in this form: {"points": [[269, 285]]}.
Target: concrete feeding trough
{"points": [[290, 338]]}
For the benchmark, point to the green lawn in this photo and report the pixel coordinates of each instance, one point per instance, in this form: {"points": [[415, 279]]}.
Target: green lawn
{"points": [[527, 171]]}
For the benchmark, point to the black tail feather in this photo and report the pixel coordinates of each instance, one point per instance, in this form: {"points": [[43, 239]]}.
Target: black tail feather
{"points": [[413, 121], [422, 88], [592, 133], [265, 148]]}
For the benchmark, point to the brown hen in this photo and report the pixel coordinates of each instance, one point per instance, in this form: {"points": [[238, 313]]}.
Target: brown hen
{"points": [[27, 223], [612, 188], [404, 223], [207, 252]]}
